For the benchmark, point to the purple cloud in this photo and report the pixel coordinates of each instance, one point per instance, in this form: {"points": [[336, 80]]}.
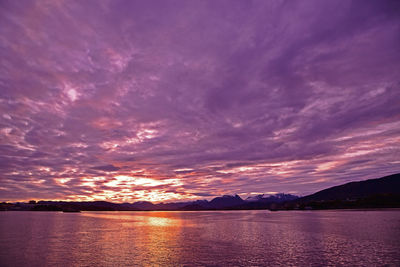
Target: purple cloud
{"points": [[161, 100]]}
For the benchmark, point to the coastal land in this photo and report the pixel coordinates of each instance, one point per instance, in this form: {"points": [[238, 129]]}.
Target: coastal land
{"points": [[368, 194]]}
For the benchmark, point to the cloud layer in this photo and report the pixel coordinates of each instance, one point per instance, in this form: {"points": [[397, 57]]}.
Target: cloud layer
{"points": [[164, 100]]}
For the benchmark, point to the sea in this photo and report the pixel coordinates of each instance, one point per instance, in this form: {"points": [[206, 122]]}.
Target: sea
{"points": [[201, 238]]}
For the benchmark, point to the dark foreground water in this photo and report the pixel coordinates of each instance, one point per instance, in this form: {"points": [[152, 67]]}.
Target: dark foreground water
{"points": [[218, 238]]}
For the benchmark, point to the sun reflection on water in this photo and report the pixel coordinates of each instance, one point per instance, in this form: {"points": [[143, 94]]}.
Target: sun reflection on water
{"points": [[138, 218], [159, 221]]}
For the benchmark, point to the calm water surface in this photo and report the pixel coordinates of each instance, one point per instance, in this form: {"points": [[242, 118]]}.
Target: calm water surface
{"points": [[217, 238]]}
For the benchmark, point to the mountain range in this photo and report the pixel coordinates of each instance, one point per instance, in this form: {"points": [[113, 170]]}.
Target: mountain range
{"points": [[374, 193]]}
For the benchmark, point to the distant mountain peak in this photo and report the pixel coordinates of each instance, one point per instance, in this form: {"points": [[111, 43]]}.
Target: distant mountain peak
{"points": [[279, 197], [231, 196], [226, 201], [254, 198]]}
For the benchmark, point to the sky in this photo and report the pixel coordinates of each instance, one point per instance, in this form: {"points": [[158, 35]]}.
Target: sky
{"points": [[128, 101]]}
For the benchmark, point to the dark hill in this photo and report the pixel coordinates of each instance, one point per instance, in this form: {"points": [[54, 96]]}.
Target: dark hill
{"points": [[374, 193], [388, 185]]}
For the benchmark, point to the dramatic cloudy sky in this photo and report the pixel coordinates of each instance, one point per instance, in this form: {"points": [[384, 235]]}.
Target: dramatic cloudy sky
{"points": [[166, 100]]}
